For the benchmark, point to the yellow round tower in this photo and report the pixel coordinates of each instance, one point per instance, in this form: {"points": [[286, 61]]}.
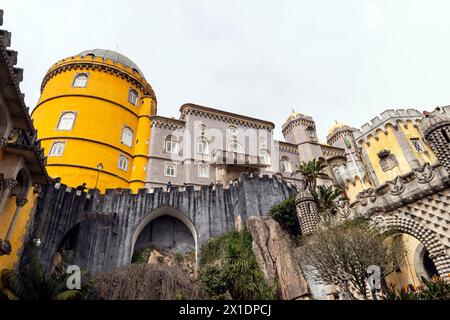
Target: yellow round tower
{"points": [[93, 119]]}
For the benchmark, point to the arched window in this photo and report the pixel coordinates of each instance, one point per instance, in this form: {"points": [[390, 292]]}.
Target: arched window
{"points": [[286, 165], [80, 80], [202, 146], [171, 144], [445, 135], [127, 136], [66, 121], [234, 146], [265, 155], [133, 97], [123, 163], [203, 171], [170, 170], [57, 149]]}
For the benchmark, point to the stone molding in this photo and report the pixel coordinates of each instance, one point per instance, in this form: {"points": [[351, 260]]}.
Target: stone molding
{"points": [[166, 123], [219, 115]]}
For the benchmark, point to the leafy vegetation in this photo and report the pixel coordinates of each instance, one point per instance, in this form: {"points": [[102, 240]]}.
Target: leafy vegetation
{"points": [[285, 214], [434, 289], [229, 269], [32, 284], [142, 255], [311, 171]]}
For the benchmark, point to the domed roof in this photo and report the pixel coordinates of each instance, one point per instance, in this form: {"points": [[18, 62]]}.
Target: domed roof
{"points": [[295, 114], [114, 56], [433, 121], [335, 126]]}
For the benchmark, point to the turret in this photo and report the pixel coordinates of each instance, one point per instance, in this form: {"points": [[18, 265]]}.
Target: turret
{"points": [[436, 131], [307, 212]]}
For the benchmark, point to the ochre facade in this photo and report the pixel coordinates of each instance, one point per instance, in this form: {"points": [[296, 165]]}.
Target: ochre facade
{"points": [[105, 94]]}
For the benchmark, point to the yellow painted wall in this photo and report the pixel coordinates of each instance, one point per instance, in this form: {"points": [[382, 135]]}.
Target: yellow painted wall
{"points": [[413, 132], [390, 143], [408, 274], [10, 261], [353, 188], [102, 109]]}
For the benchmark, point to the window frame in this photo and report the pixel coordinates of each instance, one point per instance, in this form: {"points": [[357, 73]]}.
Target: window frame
{"points": [[127, 162], [283, 167], [122, 135], [206, 150], [241, 150], [203, 165], [173, 142], [61, 153], [63, 113], [166, 167], [76, 77], [232, 128], [417, 144], [137, 97]]}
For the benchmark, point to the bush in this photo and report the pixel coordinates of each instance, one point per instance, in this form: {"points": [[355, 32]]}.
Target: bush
{"points": [[229, 269], [285, 214], [142, 255]]}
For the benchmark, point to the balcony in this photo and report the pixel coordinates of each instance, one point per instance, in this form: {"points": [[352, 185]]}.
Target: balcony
{"points": [[222, 157]]}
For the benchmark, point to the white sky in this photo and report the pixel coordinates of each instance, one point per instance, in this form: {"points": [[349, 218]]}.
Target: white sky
{"points": [[345, 60]]}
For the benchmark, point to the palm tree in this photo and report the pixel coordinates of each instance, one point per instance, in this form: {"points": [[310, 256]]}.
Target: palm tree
{"points": [[312, 170], [325, 197], [32, 284]]}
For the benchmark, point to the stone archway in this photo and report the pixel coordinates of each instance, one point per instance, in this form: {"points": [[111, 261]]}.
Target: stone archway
{"points": [[429, 239], [161, 212], [423, 264]]}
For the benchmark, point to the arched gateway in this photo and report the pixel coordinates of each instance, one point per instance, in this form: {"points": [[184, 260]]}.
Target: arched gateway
{"points": [[112, 224]]}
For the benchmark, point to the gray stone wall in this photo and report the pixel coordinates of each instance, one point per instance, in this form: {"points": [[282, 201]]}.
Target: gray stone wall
{"points": [[109, 224]]}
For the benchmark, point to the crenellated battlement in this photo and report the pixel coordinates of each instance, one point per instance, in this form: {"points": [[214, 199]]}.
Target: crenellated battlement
{"points": [[388, 117]]}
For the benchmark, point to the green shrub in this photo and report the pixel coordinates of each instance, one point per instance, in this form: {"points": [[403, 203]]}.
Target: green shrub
{"points": [[142, 255], [285, 214], [229, 268]]}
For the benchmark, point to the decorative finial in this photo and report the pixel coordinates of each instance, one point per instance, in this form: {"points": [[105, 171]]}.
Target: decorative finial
{"points": [[293, 111]]}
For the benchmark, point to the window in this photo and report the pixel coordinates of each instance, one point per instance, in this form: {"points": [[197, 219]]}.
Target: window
{"points": [[127, 136], [311, 132], [171, 144], [80, 80], [265, 157], [202, 146], [133, 97], [57, 149], [286, 165], [234, 146], [233, 129], [417, 144], [203, 171], [66, 121], [170, 170], [123, 163]]}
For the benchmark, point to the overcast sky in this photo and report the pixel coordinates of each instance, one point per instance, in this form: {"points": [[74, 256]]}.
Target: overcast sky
{"points": [[345, 60]]}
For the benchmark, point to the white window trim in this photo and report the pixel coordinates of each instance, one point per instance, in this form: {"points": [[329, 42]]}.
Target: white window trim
{"points": [[137, 97], [60, 117], [50, 154], [174, 144], [127, 162], [132, 137], [75, 78], [207, 170], [241, 149], [207, 151], [166, 165], [290, 166]]}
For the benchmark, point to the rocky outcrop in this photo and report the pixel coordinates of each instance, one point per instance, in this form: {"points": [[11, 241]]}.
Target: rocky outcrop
{"points": [[274, 251]]}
